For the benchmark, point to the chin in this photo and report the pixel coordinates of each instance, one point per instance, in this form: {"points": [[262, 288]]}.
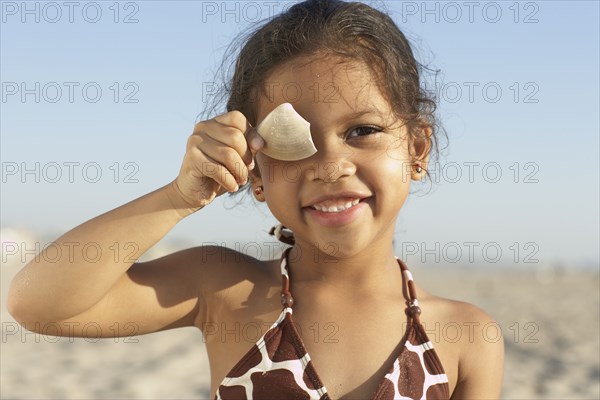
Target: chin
{"points": [[340, 248]]}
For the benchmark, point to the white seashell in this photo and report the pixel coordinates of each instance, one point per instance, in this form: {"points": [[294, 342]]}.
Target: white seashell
{"points": [[286, 134]]}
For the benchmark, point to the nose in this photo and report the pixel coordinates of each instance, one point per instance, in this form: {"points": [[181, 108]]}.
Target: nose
{"points": [[332, 162]]}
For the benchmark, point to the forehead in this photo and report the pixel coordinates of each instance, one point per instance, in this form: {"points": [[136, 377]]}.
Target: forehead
{"points": [[330, 83]]}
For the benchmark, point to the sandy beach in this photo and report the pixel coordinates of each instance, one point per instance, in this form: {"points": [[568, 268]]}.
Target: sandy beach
{"points": [[549, 319]]}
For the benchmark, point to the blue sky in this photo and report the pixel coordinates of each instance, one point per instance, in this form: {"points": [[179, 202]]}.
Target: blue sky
{"points": [[518, 97]]}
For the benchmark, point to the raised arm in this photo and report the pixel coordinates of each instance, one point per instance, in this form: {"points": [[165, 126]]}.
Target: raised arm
{"points": [[95, 277]]}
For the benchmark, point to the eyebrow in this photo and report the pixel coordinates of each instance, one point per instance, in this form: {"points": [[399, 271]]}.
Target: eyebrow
{"points": [[358, 114]]}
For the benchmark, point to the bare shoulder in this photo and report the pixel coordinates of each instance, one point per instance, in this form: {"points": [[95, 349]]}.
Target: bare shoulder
{"points": [[459, 312], [225, 268], [230, 279], [477, 346]]}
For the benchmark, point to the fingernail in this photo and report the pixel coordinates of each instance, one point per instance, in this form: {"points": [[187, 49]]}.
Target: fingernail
{"points": [[251, 166], [256, 142]]}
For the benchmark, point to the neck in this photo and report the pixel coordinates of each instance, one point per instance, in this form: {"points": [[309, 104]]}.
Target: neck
{"points": [[372, 268]]}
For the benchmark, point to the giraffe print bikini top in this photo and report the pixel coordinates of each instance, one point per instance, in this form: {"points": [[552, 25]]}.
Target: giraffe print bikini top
{"points": [[278, 366]]}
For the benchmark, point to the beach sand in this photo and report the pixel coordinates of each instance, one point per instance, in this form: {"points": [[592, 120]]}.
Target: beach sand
{"points": [[549, 318]]}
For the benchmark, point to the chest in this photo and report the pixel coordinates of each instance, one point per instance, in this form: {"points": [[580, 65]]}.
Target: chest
{"points": [[351, 352]]}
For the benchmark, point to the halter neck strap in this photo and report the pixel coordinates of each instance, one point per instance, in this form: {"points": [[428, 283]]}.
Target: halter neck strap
{"points": [[286, 296], [413, 311]]}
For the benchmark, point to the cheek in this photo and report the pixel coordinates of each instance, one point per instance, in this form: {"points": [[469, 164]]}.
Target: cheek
{"points": [[391, 169], [280, 191], [396, 164], [278, 173], [278, 177], [266, 166]]}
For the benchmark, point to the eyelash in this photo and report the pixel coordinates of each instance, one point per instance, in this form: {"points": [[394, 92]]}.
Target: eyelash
{"points": [[371, 128]]}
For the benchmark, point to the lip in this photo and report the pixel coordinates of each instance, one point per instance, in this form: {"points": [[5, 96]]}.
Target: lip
{"points": [[337, 196], [337, 219]]}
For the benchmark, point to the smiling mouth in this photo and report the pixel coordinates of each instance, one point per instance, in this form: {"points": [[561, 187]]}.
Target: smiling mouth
{"points": [[336, 206]]}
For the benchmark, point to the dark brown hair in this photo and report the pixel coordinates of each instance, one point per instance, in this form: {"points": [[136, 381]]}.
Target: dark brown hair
{"points": [[351, 30]]}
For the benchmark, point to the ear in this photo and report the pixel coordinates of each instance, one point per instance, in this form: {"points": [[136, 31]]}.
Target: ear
{"points": [[420, 148], [256, 183]]}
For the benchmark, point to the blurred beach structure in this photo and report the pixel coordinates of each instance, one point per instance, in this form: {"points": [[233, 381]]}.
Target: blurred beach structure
{"points": [[548, 314]]}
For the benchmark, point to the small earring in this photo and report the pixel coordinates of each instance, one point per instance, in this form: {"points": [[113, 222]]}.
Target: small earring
{"points": [[258, 191], [418, 168]]}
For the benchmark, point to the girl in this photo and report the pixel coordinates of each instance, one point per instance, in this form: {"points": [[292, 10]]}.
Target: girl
{"points": [[372, 124]]}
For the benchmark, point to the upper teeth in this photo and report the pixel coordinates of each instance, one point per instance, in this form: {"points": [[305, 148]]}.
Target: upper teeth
{"points": [[335, 205]]}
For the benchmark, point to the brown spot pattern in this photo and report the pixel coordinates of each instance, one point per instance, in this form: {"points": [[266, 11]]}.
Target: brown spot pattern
{"points": [[276, 384], [411, 378], [233, 392], [280, 343]]}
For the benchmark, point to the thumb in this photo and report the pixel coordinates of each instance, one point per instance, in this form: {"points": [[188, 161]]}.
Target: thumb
{"points": [[255, 141]]}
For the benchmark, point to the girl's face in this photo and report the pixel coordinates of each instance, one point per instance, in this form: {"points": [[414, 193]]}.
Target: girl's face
{"points": [[361, 169]]}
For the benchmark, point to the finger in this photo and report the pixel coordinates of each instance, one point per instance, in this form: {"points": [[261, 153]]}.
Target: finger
{"points": [[233, 119], [226, 156], [219, 173], [227, 136]]}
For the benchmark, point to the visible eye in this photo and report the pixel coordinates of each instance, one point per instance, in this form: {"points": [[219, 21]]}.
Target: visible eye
{"points": [[365, 130]]}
